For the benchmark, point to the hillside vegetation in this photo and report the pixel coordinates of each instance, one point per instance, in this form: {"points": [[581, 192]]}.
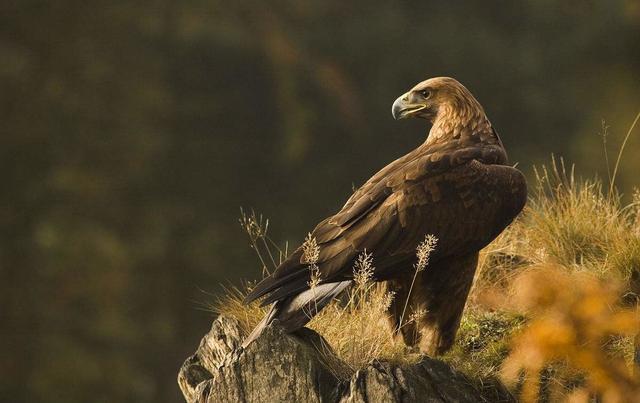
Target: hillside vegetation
{"points": [[553, 312]]}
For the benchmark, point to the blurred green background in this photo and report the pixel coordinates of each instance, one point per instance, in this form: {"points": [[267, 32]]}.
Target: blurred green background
{"points": [[132, 131]]}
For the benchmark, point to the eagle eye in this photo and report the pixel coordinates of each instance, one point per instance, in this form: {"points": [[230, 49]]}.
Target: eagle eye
{"points": [[425, 93]]}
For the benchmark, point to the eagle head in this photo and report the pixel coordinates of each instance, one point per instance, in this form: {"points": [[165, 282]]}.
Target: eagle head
{"points": [[434, 98]]}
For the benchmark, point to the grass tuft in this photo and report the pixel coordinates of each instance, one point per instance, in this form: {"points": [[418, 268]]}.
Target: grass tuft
{"points": [[482, 343]]}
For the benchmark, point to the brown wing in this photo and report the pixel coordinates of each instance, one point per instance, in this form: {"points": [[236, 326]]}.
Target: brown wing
{"points": [[461, 201]]}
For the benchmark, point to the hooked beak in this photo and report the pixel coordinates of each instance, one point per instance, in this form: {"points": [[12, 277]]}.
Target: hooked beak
{"points": [[403, 107]]}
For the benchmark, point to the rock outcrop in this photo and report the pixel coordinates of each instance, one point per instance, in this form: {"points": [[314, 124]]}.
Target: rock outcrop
{"points": [[279, 367]]}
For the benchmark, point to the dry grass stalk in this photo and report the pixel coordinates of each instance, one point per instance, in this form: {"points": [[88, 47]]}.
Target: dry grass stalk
{"points": [[257, 229], [310, 256], [423, 251]]}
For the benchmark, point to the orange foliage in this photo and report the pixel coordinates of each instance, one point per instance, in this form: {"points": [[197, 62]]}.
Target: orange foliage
{"points": [[574, 315]]}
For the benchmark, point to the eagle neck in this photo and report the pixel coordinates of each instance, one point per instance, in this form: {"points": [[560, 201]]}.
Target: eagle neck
{"points": [[463, 120]]}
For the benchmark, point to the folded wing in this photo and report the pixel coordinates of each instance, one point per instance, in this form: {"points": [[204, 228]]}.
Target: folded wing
{"points": [[463, 202]]}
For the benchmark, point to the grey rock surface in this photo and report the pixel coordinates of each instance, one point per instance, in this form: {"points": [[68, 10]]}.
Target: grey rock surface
{"points": [[280, 367]]}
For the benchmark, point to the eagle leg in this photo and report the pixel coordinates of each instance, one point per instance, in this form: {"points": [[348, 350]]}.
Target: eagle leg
{"points": [[435, 306]]}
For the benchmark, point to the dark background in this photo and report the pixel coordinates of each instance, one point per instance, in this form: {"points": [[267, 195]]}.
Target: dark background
{"points": [[132, 131]]}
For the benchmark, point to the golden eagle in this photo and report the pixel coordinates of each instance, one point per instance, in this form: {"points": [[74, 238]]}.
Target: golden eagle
{"points": [[456, 186]]}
